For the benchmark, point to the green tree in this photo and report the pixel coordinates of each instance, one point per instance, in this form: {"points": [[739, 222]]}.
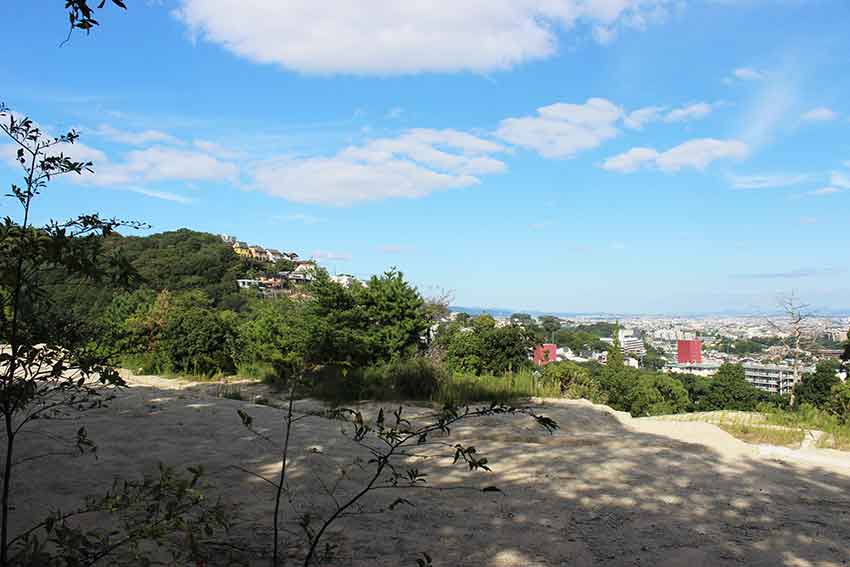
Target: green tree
{"points": [[48, 370], [615, 358], [395, 322], [846, 356], [839, 402], [550, 325], [698, 388], [273, 334], [654, 359], [816, 388], [658, 394], [730, 390]]}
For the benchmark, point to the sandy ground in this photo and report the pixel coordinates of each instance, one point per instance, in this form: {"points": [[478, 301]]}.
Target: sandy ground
{"points": [[605, 489]]}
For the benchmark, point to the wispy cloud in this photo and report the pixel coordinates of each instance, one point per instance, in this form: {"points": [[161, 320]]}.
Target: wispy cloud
{"points": [[840, 179], [694, 111], [695, 154], [767, 181], [331, 256], [748, 74], [164, 195], [140, 138], [820, 114], [824, 191], [790, 274], [396, 248], [765, 113], [304, 218]]}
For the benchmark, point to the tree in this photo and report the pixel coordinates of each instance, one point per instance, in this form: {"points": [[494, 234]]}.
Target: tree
{"points": [[816, 388], [45, 371], [658, 394], [797, 314], [846, 356], [839, 402], [574, 381], [394, 318], [550, 324], [654, 359], [615, 358], [273, 334], [729, 389], [698, 388], [81, 14]]}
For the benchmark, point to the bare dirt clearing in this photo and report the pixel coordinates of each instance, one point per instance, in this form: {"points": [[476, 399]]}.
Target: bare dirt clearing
{"points": [[605, 489]]}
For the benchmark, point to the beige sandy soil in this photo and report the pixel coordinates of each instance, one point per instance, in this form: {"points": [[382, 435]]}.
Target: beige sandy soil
{"points": [[603, 490]]}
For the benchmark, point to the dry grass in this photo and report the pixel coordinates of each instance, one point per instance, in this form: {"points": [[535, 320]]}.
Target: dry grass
{"points": [[764, 435]]}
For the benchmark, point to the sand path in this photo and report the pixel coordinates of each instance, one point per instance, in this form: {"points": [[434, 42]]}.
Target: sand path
{"points": [[605, 489]]}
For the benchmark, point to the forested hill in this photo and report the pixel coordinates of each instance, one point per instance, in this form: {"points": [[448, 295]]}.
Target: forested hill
{"points": [[182, 260]]}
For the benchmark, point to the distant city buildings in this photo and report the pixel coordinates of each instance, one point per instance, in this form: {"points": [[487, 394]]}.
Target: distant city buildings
{"points": [[773, 378]]}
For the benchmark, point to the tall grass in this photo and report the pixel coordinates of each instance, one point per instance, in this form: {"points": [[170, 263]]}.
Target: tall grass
{"points": [[460, 388], [836, 434]]}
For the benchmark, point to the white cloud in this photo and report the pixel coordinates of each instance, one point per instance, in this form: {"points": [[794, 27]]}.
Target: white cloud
{"points": [[631, 160], [820, 114], [825, 191], [414, 164], [135, 138], [394, 113], [561, 130], [217, 150], [696, 154], [694, 111], [331, 256], [395, 248], [748, 74], [164, 195], [636, 119], [378, 37], [808, 220], [839, 179], [766, 181], [164, 164], [304, 218]]}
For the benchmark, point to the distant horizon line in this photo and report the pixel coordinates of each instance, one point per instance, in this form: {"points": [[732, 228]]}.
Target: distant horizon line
{"points": [[500, 311]]}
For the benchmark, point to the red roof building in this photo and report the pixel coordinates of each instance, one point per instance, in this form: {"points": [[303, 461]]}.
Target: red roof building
{"points": [[689, 351], [546, 353]]}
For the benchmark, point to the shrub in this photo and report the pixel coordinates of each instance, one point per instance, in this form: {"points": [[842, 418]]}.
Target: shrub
{"points": [[416, 378], [658, 394]]}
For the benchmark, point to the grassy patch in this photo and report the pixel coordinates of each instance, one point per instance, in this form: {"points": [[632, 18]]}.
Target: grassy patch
{"points": [[764, 435], [231, 392], [461, 389]]}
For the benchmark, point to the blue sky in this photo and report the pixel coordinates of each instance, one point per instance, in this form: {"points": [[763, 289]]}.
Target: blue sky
{"points": [[568, 155]]}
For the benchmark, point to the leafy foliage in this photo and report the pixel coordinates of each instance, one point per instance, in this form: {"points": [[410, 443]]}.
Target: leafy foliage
{"points": [[816, 388], [484, 348], [658, 394]]}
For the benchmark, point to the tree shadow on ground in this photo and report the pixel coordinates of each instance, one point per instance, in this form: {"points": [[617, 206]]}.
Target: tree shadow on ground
{"points": [[594, 493]]}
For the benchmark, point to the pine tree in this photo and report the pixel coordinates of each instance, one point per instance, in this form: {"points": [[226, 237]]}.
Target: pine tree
{"points": [[615, 353]]}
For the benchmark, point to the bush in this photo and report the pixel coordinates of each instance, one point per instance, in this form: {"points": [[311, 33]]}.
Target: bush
{"points": [[658, 394], [416, 378], [573, 381], [412, 379]]}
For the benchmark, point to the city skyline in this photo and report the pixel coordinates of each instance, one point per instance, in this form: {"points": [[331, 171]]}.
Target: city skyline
{"points": [[620, 157]]}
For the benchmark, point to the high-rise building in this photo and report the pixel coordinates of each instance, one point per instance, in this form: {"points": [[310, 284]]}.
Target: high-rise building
{"points": [[688, 351]]}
